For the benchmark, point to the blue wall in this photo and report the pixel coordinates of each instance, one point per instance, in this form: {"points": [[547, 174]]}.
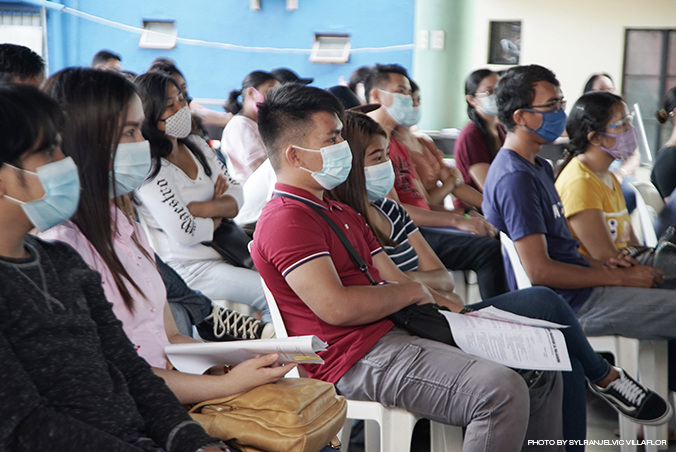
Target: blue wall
{"points": [[212, 73]]}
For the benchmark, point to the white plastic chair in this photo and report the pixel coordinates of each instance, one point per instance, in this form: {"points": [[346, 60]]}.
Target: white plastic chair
{"points": [[648, 204], [396, 425], [630, 354]]}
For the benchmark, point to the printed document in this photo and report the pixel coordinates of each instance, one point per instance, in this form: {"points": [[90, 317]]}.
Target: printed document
{"points": [[197, 358], [509, 339]]}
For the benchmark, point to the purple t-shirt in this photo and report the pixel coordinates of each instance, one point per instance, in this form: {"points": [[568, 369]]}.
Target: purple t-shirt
{"points": [[520, 199]]}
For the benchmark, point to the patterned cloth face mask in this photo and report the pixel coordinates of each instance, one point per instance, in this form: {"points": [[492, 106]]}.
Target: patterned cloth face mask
{"points": [[179, 125]]}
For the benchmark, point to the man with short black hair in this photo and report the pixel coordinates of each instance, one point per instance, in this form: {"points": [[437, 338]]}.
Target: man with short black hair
{"points": [[107, 61], [389, 86], [19, 64], [320, 291], [520, 199]]}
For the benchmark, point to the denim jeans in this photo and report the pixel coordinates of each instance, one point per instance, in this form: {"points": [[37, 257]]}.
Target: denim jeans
{"points": [[189, 307], [462, 251], [543, 303]]}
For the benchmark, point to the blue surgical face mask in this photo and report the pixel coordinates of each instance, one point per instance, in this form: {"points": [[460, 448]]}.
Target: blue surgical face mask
{"points": [[552, 126], [132, 163], [413, 118], [401, 107], [337, 163], [379, 180], [489, 105], [62, 194]]}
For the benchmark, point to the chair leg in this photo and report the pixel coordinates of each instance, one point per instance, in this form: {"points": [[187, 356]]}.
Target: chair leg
{"points": [[344, 435], [653, 361], [445, 438], [372, 435], [396, 431], [627, 358]]}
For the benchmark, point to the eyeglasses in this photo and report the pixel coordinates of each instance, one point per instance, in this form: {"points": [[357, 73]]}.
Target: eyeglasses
{"points": [[553, 106], [625, 123], [490, 92]]}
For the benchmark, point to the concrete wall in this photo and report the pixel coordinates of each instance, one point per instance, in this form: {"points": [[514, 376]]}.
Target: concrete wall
{"points": [[212, 73], [574, 38]]}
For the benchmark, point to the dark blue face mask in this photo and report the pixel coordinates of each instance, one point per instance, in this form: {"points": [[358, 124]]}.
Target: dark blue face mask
{"points": [[552, 126]]}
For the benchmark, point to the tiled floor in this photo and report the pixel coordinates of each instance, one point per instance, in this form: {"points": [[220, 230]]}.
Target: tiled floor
{"points": [[601, 425]]}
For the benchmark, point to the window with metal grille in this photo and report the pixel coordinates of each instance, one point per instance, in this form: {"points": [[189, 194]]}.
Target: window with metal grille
{"points": [[649, 72]]}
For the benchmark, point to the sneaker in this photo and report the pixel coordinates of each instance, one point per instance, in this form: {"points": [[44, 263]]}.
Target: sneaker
{"points": [[227, 325], [629, 397]]}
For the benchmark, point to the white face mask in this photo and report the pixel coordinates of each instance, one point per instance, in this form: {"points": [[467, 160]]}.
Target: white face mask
{"points": [[379, 180], [132, 164], [178, 125], [61, 183], [489, 105], [401, 107], [336, 165]]}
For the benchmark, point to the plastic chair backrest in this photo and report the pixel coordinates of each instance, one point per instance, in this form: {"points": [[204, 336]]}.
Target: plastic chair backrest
{"points": [[645, 216], [522, 281]]}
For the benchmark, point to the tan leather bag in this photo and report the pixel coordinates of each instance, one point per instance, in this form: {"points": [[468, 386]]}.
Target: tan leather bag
{"points": [[293, 414]]}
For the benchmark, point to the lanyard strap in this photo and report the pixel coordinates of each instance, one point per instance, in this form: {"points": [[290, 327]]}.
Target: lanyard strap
{"points": [[354, 255]]}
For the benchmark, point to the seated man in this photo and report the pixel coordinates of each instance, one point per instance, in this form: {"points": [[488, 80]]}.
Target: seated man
{"points": [[521, 200], [320, 291], [389, 86]]}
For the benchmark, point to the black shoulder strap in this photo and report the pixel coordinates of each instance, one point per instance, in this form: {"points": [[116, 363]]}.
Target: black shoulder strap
{"points": [[356, 258]]}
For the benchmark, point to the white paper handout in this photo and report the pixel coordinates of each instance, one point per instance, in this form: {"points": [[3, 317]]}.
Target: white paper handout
{"points": [[509, 339], [197, 358]]}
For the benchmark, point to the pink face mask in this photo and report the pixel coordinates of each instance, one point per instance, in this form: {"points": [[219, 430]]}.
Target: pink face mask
{"points": [[257, 98], [625, 144]]}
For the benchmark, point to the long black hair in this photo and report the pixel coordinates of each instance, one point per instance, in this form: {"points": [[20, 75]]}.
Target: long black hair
{"points": [[252, 80], [668, 106], [471, 84], [153, 91], [94, 101], [29, 119], [590, 83], [358, 131], [591, 113]]}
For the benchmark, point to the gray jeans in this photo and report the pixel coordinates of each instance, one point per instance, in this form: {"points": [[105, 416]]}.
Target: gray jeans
{"points": [[630, 312], [444, 384]]}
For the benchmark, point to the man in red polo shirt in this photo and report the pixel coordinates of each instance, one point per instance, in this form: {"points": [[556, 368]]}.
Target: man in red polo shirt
{"points": [[476, 249], [320, 291]]}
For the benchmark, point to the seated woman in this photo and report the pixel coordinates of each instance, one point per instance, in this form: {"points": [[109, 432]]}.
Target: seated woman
{"points": [[437, 180], [625, 169], [663, 175], [483, 136], [600, 131], [186, 195], [372, 177], [103, 136], [71, 379], [241, 141]]}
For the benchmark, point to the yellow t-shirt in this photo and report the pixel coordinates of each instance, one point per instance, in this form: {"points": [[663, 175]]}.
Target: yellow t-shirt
{"points": [[580, 189]]}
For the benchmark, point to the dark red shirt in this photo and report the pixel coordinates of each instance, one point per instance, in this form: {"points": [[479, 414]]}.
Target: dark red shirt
{"points": [[405, 176], [470, 149], [289, 234]]}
